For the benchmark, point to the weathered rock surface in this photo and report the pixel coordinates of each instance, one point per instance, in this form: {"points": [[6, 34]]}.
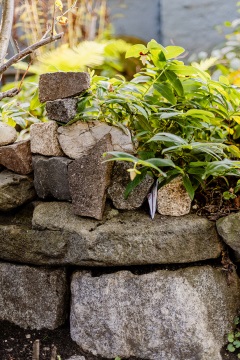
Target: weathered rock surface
{"points": [[77, 139], [51, 177], [15, 190], [77, 358], [173, 199], [170, 315], [60, 85], [58, 237], [32, 297], [62, 110], [119, 182], [89, 178], [17, 157], [229, 229], [44, 140], [7, 134]]}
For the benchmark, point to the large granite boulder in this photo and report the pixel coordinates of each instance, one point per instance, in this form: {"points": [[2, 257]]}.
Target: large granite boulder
{"points": [[15, 190], [60, 85], [32, 297], [77, 139], [17, 157], [59, 238], [44, 140], [89, 178], [229, 229], [170, 315], [7, 134], [120, 180]]}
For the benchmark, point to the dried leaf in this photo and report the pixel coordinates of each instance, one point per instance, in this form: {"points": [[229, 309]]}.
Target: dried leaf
{"points": [[62, 20]]}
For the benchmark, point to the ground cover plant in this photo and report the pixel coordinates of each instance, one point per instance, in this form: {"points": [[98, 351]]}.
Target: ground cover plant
{"points": [[184, 123]]}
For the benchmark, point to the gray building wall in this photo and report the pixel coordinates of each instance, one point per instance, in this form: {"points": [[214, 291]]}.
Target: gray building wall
{"points": [[187, 23]]}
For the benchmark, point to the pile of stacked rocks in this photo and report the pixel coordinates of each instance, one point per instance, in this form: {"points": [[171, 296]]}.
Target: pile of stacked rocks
{"points": [[67, 160]]}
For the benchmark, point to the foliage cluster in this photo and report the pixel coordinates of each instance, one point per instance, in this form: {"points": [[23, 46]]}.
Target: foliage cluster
{"points": [[234, 339], [184, 122]]}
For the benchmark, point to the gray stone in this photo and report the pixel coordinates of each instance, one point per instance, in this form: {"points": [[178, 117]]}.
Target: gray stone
{"points": [[77, 139], [62, 110], [17, 157], [60, 85], [229, 229], [119, 182], [7, 134], [89, 178], [32, 297], [130, 238], [44, 140], [77, 358], [173, 199], [51, 177], [15, 190], [170, 315]]}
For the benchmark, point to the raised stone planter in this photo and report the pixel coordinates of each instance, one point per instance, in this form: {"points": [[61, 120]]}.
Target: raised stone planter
{"points": [[32, 297], [168, 315]]}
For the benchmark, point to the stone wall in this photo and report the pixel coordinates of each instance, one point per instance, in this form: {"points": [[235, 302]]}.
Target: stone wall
{"points": [[161, 289]]}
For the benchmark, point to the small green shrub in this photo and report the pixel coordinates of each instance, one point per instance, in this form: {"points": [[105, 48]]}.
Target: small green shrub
{"points": [[183, 121], [234, 339]]}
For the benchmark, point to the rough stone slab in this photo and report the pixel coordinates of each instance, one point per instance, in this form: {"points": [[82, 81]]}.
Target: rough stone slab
{"points": [[51, 177], [77, 358], [32, 297], [8, 134], [15, 190], [229, 229], [170, 315], [62, 110], [89, 178], [17, 157], [132, 238], [44, 140], [119, 182], [60, 85], [173, 199], [77, 139]]}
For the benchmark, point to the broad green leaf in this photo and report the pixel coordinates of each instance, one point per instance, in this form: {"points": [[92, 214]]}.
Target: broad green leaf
{"points": [[166, 92], [176, 83], [188, 186], [170, 115], [173, 51], [168, 137], [199, 112], [224, 80], [154, 45], [183, 69], [35, 102], [117, 155], [136, 50], [231, 348], [161, 162], [141, 110]]}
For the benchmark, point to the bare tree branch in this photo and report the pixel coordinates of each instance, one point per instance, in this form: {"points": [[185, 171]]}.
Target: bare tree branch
{"points": [[6, 27], [30, 49], [10, 93]]}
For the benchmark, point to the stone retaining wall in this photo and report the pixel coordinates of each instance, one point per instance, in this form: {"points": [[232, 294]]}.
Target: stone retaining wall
{"points": [[159, 289]]}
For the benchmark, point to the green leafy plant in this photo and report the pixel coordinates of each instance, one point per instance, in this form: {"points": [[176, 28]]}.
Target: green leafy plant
{"points": [[182, 120], [234, 339]]}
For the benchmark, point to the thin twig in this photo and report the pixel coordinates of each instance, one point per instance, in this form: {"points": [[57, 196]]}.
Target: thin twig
{"points": [[21, 82], [30, 49], [9, 93]]}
